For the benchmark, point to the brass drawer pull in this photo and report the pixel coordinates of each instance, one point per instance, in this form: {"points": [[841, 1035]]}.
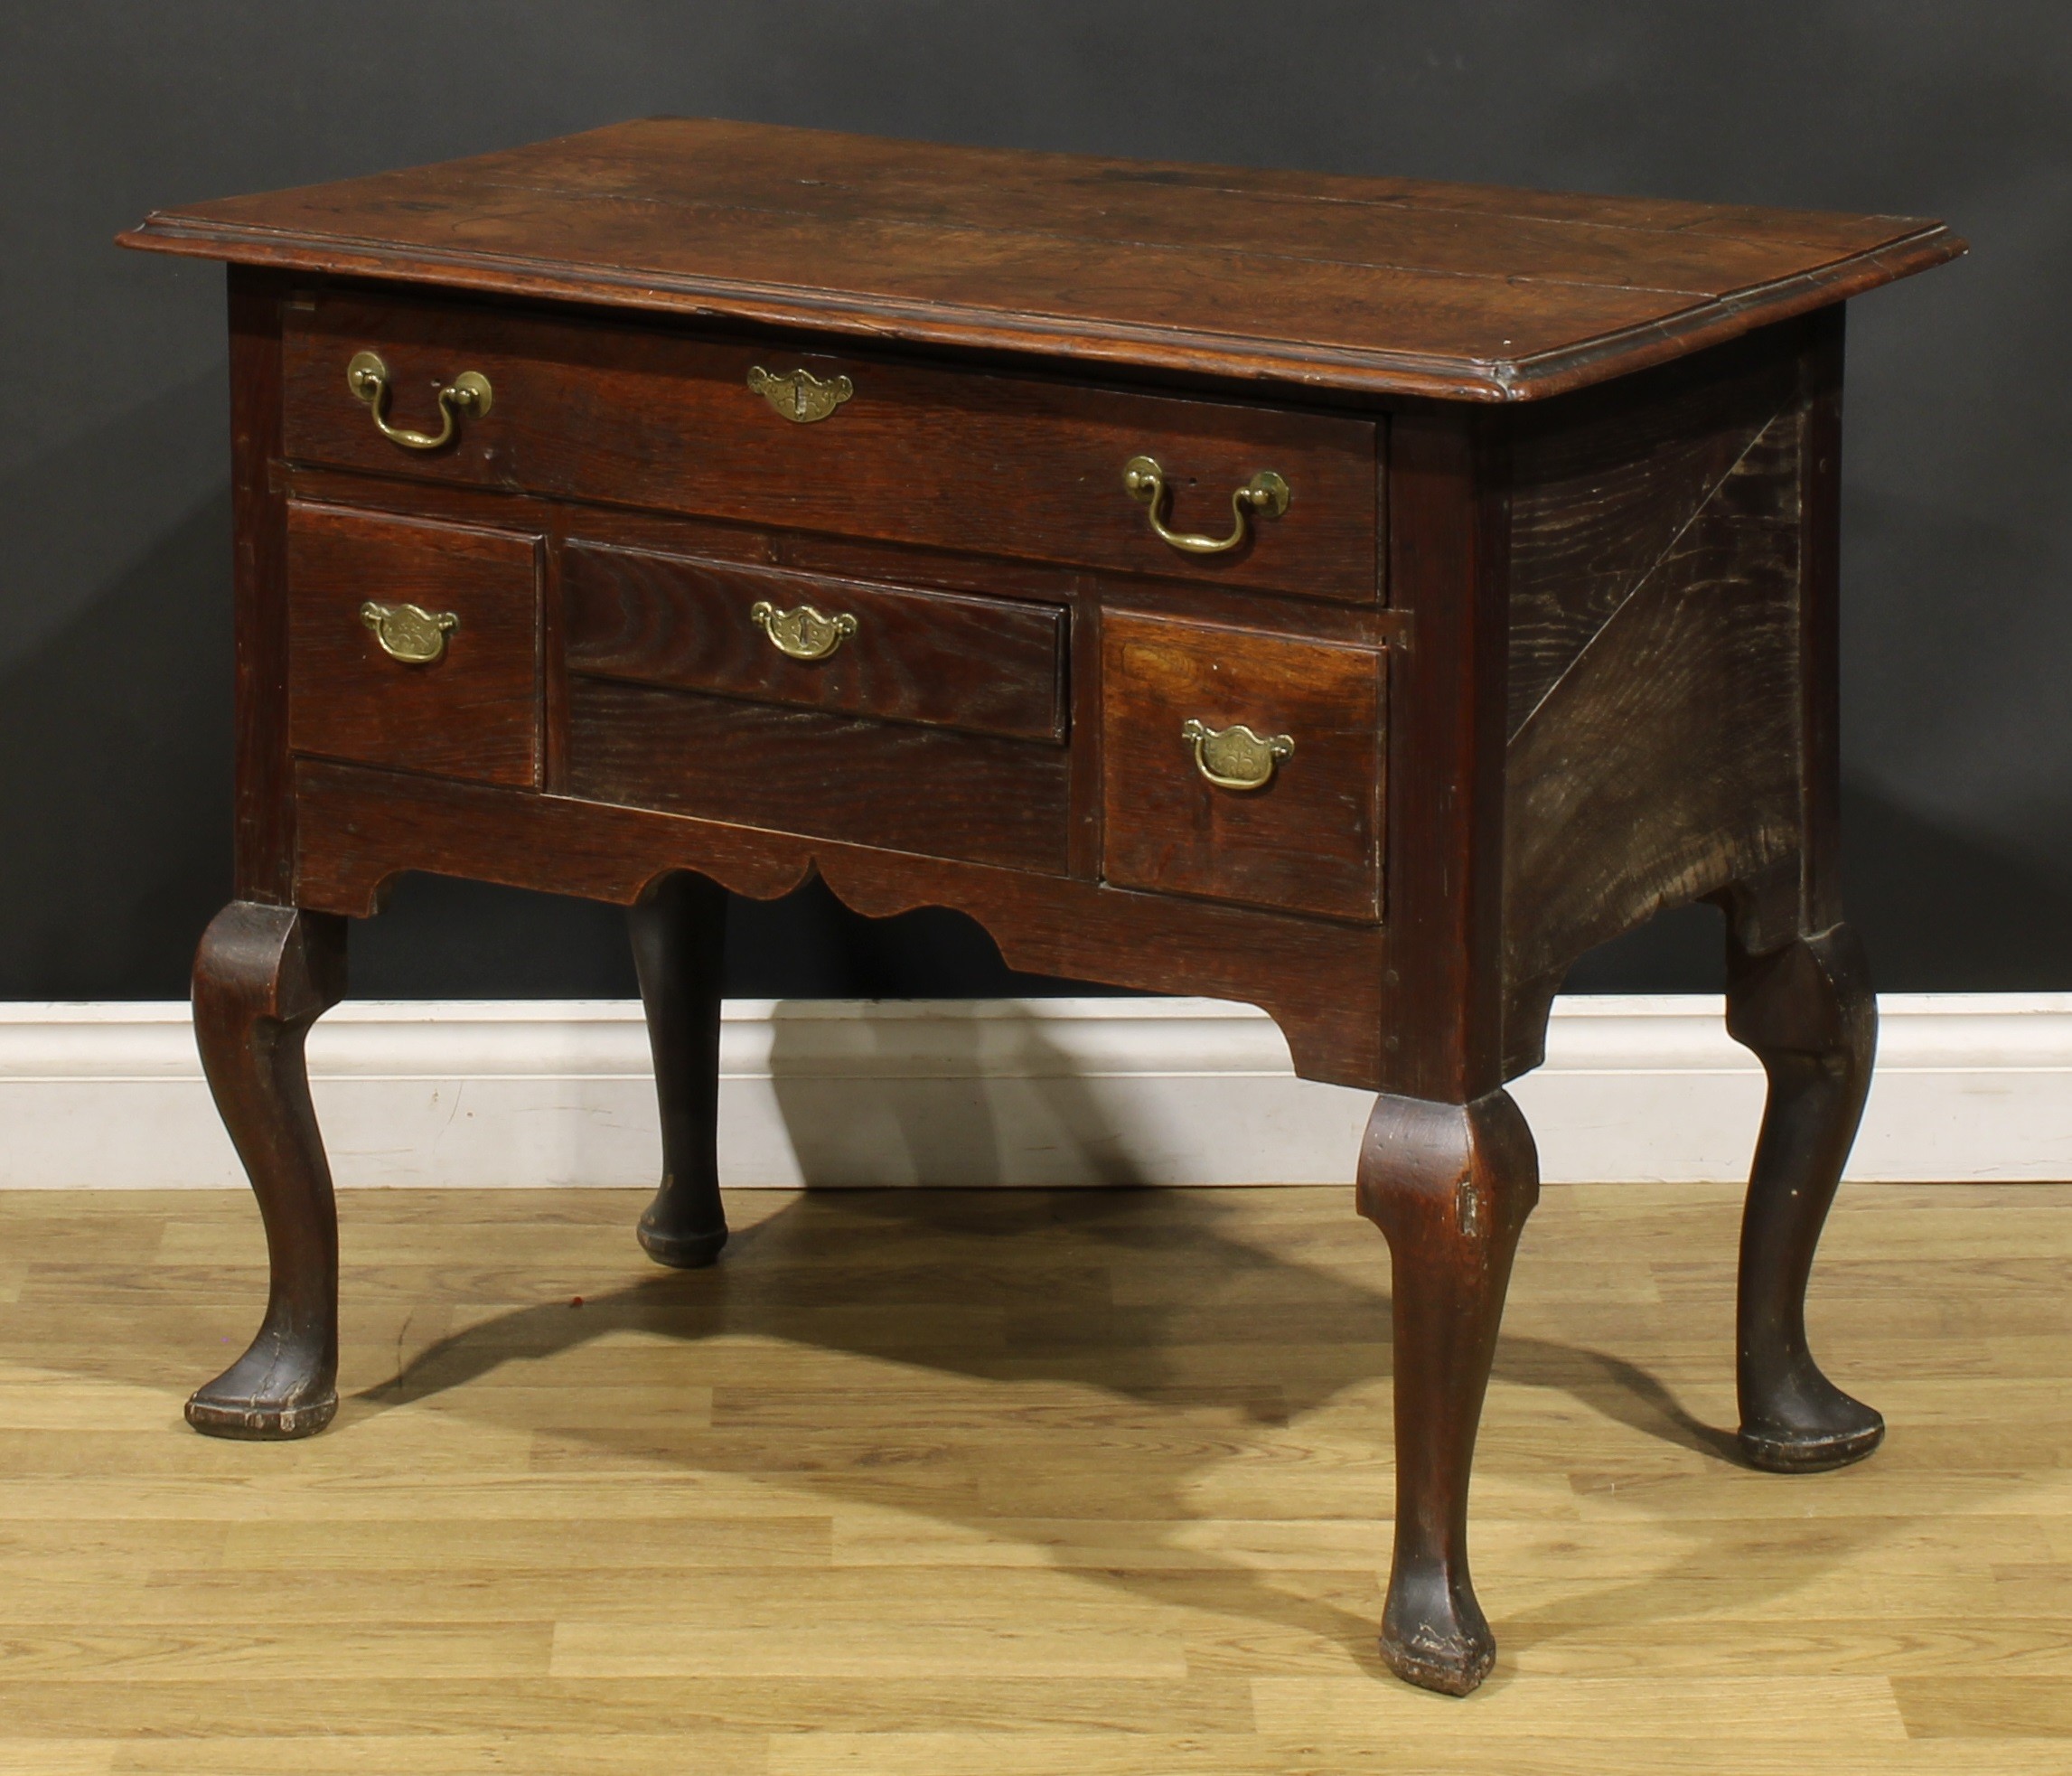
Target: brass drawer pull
{"points": [[804, 633], [1265, 494], [368, 376], [800, 395], [1236, 757], [409, 633]]}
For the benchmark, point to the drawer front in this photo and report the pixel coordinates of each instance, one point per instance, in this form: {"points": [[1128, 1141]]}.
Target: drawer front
{"points": [[891, 784], [937, 456], [985, 665], [1308, 837], [473, 711]]}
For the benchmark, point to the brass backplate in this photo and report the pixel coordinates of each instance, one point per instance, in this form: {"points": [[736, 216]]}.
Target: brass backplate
{"points": [[800, 395]]}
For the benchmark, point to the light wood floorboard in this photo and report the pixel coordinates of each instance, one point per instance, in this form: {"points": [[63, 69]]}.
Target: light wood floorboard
{"points": [[1009, 1483]]}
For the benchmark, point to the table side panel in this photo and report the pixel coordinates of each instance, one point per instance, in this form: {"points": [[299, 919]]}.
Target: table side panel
{"points": [[1655, 751]]}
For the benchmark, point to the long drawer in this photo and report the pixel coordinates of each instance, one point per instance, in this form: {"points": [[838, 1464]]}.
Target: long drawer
{"points": [[674, 420]]}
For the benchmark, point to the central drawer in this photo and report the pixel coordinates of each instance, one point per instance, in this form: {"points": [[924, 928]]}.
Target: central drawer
{"points": [[841, 709], [768, 434], [986, 666]]}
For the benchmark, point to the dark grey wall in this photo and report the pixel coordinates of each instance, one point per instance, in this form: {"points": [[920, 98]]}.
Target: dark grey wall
{"points": [[114, 605]]}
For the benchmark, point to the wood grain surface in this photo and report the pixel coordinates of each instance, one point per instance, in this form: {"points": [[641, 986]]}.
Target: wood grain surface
{"points": [[989, 665], [923, 1482], [1321, 980], [948, 456], [473, 712], [1657, 749], [1608, 631], [1603, 487], [1450, 534], [791, 770], [1311, 839], [264, 798], [1383, 286]]}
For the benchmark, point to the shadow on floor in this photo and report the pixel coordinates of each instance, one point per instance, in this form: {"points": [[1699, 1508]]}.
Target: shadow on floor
{"points": [[1142, 1295]]}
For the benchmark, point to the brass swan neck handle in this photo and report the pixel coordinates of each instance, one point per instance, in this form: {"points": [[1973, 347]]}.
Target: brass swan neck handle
{"points": [[469, 392], [1266, 495]]}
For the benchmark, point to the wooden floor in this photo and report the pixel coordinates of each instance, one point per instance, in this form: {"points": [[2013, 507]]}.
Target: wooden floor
{"points": [[1014, 1483]]}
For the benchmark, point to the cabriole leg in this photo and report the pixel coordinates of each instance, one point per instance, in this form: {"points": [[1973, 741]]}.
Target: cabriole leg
{"points": [[263, 975], [1807, 1013], [678, 933], [1450, 1186]]}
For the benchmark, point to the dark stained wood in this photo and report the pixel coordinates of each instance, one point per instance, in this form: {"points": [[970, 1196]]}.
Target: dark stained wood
{"points": [[553, 648], [1310, 839], [1548, 668], [1084, 686], [679, 930], [1387, 286], [893, 564], [1603, 485], [473, 713], [1232, 609], [1808, 1013], [264, 974], [901, 564], [1318, 980], [789, 770], [1820, 622], [1662, 763], [1015, 465], [1450, 1186], [264, 831], [987, 666], [1448, 549], [890, 563]]}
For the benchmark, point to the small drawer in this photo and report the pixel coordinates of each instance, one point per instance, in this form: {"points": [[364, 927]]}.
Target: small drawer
{"points": [[681, 421], [373, 681], [984, 665], [1307, 836]]}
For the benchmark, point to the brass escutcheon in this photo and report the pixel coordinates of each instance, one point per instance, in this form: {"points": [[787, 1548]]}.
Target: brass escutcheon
{"points": [[469, 392], [1265, 495], [804, 633], [409, 633], [800, 395], [1236, 757]]}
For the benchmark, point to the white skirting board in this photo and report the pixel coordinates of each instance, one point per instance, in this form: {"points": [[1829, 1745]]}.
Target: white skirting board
{"points": [[1020, 1091]]}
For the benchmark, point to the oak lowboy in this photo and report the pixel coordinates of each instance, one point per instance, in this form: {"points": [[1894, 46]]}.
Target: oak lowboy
{"points": [[1356, 596]]}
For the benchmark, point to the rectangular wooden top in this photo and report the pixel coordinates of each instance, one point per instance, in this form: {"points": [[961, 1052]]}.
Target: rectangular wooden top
{"points": [[1378, 286]]}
